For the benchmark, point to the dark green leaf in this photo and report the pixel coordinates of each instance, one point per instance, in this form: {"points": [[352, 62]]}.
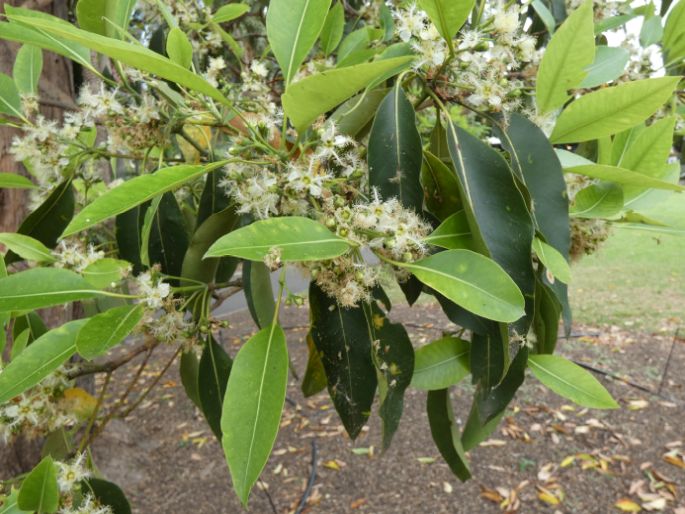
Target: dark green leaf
{"points": [[488, 355], [440, 187], [259, 293], [128, 234], [314, 380], [214, 371], [107, 494], [189, 370], [168, 236], [445, 433], [493, 402]]}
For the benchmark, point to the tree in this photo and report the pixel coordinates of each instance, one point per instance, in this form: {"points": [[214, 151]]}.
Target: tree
{"points": [[471, 150]]}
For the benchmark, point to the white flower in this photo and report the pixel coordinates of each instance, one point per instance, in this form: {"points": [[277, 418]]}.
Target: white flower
{"points": [[154, 294], [71, 474], [409, 22], [505, 21], [259, 69], [88, 505]]}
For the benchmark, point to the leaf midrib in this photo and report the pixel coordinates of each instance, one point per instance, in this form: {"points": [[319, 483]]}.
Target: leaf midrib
{"points": [[562, 380]]}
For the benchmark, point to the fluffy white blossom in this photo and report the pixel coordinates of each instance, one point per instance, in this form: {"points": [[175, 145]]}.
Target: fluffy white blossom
{"points": [[153, 291]]}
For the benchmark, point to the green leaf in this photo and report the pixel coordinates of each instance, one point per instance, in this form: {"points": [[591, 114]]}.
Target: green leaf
{"points": [[473, 281], [344, 342], [447, 15], [294, 238], [545, 15], [608, 65], [48, 221], [229, 12], [259, 293], [106, 330], [168, 241], [354, 116], [441, 363], [674, 30], [27, 68], [546, 322], [314, 380], [440, 187], [476, 432], [14, 181], [445, 433], [553, 260], [131, 54], [189, 370], [253, 406], [128, 227], [612, 109], [214, 373], [598, 201], [488, 357], [395, 155], [39, 359], [134, 192], [39, 491], [453, 234], [102, 273], [107, 494], [652, 30], [178, 48], [493, 401], [307, 99], [37, 288], [333, 28], [622, 176], [19, 343], [293, 27], [569, 52], [648, 154], [31, 322], [9, 505], [571, 381], [104, 17], [10, 102], [26, 247]]}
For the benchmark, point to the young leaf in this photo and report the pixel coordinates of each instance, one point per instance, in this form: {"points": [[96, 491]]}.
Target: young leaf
{"points": [[134, 192], [553, 260], [453, 234], [598, 201], [37, 288], [39, 491], [395, 153], [608, 65], [447, 15], [106, 330], [293, 27], [229, 12], [292, 239], [214, 373], [178, 48], [612, 110], [445, 433], [473, 281], [622, 176], [39, 359], [333, 28], [27, 68], [569, 52], [26, 247], [571, 381], [343, 340], [441, 363], [253, 406], [10, 102], [307, 99], [131, 54], [14, 181]]}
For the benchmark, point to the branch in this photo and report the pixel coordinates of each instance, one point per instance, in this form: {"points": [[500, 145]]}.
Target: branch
{"points": [[113, 363]]}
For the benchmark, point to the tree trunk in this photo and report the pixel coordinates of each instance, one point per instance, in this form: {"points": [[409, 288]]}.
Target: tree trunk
{"points": [[56, 88]]}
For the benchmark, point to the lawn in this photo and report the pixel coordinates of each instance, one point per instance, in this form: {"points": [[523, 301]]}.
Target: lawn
{"points": [[637, 278]]}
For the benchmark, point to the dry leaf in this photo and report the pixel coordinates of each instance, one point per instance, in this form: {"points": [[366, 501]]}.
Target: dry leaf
{"points": [[627, 505]]}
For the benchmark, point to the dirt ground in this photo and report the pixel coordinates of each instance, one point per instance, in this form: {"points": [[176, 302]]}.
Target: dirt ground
{"points": [[547, 456]]}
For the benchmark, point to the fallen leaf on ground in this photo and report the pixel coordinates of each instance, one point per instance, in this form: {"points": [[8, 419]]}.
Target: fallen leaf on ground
{"points": [[627, 505]]}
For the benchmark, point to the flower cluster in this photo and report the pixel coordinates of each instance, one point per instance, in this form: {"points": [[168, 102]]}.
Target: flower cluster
{"points": [[413, 26], [387, 228], [38, 411], [70, 477], [74, 256]]}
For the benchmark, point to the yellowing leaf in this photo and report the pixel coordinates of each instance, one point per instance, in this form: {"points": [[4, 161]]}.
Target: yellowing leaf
{"points": [[626, 505], [79, 402]]}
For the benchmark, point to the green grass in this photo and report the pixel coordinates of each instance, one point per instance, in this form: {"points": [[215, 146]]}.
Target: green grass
{"points": [[637, 278]]}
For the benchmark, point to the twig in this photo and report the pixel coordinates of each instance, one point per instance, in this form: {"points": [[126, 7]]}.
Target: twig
{"points": [[113, 363], [310, 483], [268, 496], [615, 377], [668, 361]]}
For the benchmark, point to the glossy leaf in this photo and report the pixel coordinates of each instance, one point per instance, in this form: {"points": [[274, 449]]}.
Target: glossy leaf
{"points": [[178, 48], [259, 293], [332, 30], [612, 110], [14, 181], [307, 99], [134, 192], [107, 494], [609, 64], [355, 115], [552, 260], [395, 154], [569, 52], [492, 402], [39, 491], [28, 66], [343, 340], [229, 12], [571, 381], [473, 281], [598, 201], [314, 380], [214, 372], [189, 371], [489, 355], [128, 226], [106, 330], [133, 55], [445, 433], [453, 234], [26, 247], [168, 240], [39, 359], [253, 406], [441, 363], [293, 27], [440, 187], [447, 15], [622, 176], [37, 288], [295, 238]]}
